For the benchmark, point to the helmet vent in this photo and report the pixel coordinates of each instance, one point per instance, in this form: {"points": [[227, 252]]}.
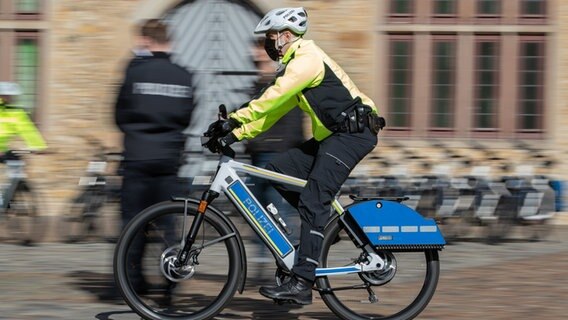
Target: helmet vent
{"points": [[280, 12], [303, 23], [267, 22], [292, 19], [302, 14]]}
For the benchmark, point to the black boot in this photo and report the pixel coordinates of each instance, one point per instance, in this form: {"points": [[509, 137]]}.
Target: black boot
{"points": [[296, 290]]}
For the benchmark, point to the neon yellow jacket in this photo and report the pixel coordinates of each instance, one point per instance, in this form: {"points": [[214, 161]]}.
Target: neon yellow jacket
{"points": [[310, 80], [15, 122]]}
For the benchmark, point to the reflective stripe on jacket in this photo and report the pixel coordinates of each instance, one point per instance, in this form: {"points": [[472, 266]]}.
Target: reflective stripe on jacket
{"points": [[310, 80]]}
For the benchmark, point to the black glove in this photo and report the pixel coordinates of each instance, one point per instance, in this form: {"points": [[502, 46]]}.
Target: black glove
{"points": [[228, 140], [220, 135], [230, 124], [221, 127], [212, 144], [215, 144]]}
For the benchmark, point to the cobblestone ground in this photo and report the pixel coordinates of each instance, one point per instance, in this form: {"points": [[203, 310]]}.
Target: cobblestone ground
{"points": [[514, 280]]}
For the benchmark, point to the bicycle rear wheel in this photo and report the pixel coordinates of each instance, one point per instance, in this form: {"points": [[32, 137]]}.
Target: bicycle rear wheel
{"points": [[91, 216], [150, 283], [402, 291], [80, 222], [22, 220]]}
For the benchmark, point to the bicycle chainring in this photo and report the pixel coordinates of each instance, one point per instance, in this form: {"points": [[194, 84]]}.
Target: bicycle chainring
{"points": [[384, 275]]}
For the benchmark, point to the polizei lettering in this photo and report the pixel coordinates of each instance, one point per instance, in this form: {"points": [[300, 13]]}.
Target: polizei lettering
{"points": [[161, 89], [259, 216]]}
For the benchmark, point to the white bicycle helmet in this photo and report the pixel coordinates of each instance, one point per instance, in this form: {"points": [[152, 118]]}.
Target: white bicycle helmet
{"points": [[294, 19], [10, 89]]}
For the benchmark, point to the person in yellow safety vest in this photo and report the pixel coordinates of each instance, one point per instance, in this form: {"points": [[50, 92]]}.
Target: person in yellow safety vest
{"points": [[345, 124], [14, 121]]}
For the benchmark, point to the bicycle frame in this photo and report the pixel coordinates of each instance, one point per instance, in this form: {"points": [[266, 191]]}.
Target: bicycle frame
{"points": [[227, 181], [16, 174]]}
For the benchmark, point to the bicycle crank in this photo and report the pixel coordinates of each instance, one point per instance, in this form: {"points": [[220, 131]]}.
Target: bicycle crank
{"points": [[169, 268]]}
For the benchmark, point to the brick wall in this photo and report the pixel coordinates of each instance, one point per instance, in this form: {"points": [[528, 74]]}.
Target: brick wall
{"points": [[89, 42], [559, 115], [87, 45]]}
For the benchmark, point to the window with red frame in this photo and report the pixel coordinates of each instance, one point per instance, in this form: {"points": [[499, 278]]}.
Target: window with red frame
{"points": [[485, 112], [400, 81], [531, 84], [444, 7], [443, 83], [27, 6], [27, 70], [488, 7], [401, 7], [533, 7]]}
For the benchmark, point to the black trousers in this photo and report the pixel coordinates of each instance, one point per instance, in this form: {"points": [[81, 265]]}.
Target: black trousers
{"points": [[145, 182], [325, 165]]}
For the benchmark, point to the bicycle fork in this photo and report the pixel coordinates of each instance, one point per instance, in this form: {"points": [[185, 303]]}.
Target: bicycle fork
{"points": [[183, 255]]}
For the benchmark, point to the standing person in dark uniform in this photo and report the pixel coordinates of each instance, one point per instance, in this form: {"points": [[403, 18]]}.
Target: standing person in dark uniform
{"points": [[153, 109]]}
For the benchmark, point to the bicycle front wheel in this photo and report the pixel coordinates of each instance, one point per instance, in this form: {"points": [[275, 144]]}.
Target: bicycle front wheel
{"points": [[22, 220], [400, 292], [148, 278]]}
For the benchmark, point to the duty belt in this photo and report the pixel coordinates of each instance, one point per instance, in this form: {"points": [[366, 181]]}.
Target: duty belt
{"points": [[359, 118]]}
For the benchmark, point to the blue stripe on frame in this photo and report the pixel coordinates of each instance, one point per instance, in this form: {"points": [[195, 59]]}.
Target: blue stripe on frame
{"points": [[327, 271], [256, 212]]}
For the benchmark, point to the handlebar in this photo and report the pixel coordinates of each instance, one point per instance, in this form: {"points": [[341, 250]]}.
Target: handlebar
{"points": [[211, 137]]}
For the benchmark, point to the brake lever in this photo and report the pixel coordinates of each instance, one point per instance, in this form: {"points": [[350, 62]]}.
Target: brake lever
{"points": [[222, 115]]}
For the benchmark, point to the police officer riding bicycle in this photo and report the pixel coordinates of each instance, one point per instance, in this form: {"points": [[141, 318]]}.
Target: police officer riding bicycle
{"points": [[345, 125]]}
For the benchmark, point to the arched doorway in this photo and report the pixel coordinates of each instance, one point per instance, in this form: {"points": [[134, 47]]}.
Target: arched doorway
{"points": [[213, 39]]}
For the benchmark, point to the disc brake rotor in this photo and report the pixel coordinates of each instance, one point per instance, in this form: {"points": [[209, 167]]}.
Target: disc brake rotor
{"points": [[170, 270]]}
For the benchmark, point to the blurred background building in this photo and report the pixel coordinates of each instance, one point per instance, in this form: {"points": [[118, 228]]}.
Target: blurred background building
{"points": [[470, 82]]}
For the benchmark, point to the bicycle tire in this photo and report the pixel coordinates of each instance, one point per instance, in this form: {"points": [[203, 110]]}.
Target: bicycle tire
{"points": [[86, 218], [23, 222], [498, 230], [338, 305], [457, 227], [539, 230], [74, 226], [229, 273]]}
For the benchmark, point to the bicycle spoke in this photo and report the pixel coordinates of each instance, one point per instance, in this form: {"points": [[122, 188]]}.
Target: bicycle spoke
{"points": [[154, 283]]}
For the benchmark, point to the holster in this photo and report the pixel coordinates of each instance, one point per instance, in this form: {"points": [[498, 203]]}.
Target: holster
{"points": [[356, 117], [376, 123], [361, 117]]}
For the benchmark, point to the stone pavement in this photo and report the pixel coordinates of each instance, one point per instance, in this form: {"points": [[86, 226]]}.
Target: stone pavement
{"points": [[514, 280]]}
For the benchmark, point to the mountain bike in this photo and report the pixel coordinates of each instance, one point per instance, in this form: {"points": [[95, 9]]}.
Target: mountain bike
{"points": [[98, 187], [18, 202], [185, 259]]}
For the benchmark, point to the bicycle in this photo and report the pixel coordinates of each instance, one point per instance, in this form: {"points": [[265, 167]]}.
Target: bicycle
{"points": [[18, 202], [373, 247], [530, 204], [99, 187]]}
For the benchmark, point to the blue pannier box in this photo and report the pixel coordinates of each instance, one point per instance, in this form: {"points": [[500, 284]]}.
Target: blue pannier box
{"points": [[392, 225]]}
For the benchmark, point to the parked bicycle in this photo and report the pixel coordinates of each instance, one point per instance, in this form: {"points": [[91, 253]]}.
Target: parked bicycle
{"points": [[379, 258], [90, 215], [530, 204], [18, 202]]}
